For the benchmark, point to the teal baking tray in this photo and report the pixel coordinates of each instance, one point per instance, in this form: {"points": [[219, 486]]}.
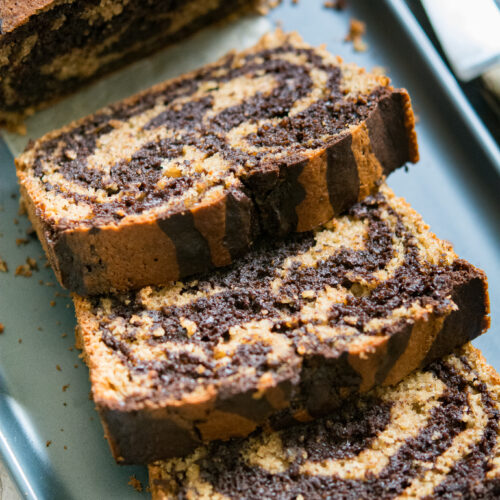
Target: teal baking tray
{"points": [[51, 440]]}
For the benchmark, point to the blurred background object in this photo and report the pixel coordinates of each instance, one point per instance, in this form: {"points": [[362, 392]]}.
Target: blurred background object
{"points": [[491, 81], [469, 33], [457, 28]]}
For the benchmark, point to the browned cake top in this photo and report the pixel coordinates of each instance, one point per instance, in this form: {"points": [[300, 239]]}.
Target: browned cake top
{"points": [[344, 288], [435, 435], [192, 139]]}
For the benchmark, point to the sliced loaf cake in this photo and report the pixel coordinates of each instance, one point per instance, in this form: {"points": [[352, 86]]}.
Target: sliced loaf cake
{"points": [[185, 176], [434, 435], [49, 48], [283, 335]]}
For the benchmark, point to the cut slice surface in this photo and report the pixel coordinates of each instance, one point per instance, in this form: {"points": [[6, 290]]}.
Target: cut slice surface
{"points": [[434, 435], [285, 333], [278, 138]]}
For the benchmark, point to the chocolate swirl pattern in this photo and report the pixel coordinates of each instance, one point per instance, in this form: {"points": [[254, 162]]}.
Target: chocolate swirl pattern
{"points": [[434, 435], [50, 48], [185, 176], [285, 334]]}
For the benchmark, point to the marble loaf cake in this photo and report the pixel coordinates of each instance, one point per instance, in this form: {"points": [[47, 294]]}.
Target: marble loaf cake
{"points": [[435, 435], [185, 176], [49, 48], [283, 335]]}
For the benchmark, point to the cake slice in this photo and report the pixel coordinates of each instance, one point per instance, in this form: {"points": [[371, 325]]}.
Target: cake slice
{"points": [[284, 334], [49, 48], [434, 435], [185, 176]]}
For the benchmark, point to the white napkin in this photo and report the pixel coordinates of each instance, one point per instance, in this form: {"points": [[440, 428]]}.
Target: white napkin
{"points": [[204, 47]]}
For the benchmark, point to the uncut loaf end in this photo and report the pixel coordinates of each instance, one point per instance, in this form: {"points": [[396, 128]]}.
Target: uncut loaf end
{"points": [[49, 48]]}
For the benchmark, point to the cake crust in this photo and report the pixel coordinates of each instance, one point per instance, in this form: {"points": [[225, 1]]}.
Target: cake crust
{"points": [[284, 335], [15, 13], [434, 435], [250, 153]]}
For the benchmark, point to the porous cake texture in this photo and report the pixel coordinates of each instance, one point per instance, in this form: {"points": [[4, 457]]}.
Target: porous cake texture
{"points": [[185, 176], [434, 435], [285, 334], [49, 48]]}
